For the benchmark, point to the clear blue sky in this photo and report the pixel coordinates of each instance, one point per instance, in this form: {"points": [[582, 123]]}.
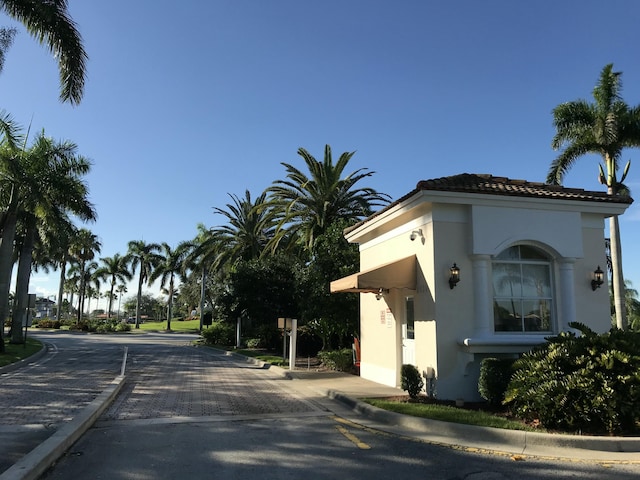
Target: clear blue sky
{"points": [[187, 102]]}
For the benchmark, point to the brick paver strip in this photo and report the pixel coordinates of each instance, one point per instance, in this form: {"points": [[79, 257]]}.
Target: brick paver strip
{"points": [[28, 396], [167, 382]]}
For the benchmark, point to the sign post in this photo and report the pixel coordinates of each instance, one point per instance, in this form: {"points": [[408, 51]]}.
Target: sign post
{"points": [[293, 336]]}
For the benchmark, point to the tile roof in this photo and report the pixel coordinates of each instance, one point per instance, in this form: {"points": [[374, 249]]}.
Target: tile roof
{"points": [[488, 184]]}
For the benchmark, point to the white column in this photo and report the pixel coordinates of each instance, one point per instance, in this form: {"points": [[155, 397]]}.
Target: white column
{"points": [[567, 293], [292, 344], [482, 295]]}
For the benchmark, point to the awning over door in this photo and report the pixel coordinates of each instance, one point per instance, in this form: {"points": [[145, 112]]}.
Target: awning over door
{"points": [[398, 274]]}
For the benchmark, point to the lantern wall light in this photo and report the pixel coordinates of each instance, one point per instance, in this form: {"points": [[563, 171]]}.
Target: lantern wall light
{"points": [[598, 279], [454, 275]]}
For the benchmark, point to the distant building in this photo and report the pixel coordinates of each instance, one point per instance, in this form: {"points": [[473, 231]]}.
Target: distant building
{"points": [[44, 308]]}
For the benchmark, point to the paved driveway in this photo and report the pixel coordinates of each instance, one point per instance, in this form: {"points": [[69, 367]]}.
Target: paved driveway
{"points": [[169, 381]]}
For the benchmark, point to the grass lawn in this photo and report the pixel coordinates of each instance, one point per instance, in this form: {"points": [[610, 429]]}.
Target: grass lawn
{"points": [[14, 353], [448, 413], [188, 326]]}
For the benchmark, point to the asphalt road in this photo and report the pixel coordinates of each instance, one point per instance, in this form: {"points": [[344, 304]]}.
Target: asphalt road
{"points": [[187, 412]]}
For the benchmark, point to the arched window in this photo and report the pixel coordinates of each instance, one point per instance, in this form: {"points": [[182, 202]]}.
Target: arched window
{"points": [[522, 291]]}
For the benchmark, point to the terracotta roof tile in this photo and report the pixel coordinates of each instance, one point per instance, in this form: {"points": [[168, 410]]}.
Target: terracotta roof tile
{"points": [[488, 184]]}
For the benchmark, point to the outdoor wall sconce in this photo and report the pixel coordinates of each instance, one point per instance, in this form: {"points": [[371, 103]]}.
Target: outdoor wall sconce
{"points": [[454, 275], [598, 279], [415, 234], [381, 293]]}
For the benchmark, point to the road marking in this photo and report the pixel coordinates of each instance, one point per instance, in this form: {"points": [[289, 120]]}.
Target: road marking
{"points": [[351, 437]]}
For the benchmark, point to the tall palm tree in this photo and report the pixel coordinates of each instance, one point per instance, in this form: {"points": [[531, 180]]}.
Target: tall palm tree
{"points": [[49, 22], [72, 281], [205, 255], [145, 256], [250, 227], [605, 127], [313, 202], [122, 288], [170, 266], [84, 250], [64, 242], [46, 186], [114, 269]]}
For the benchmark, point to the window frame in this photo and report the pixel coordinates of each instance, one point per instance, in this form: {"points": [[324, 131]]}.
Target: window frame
{"points": [[540, 301]]}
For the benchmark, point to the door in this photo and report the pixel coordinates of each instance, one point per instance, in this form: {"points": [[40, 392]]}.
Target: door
{"points": [[408, 333]]}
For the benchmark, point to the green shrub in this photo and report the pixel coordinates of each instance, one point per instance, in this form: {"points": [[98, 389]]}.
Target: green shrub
{"points": [[254, 342], [122, 327], [411, 380], [495, 374], [102, 328], [68, 322], [82, 326], [219, 333], [588, 383], [340, 360], [47, 323]]}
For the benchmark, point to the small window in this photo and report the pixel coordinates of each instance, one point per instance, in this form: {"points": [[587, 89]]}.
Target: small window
{"points": [[409, 312], [522, 291]]}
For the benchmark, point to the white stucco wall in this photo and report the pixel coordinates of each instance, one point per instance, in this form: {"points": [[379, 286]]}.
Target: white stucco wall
{"points": [[454, 327]]}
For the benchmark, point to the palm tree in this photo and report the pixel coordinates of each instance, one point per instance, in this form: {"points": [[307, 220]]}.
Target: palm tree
{"points": [[9, 131], [251, 226], [605, 127], [64, 242], [312, 203], [49, 22], [205, 255], [114, 269], [122, 288], [84, 250], [170, 266], [71, 284], [51, 188], [146, 257]]}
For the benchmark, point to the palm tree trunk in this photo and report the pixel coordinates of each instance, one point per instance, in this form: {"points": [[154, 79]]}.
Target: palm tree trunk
{"points": [[170, 305], [202, 293], [616, 273], [22, 286], [139, 297], [113, 286], [63, 271], [6, 266], [82, 292]]}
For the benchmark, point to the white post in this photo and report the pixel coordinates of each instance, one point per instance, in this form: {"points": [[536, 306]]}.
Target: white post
{"points": [[292, 343], [238, 336]]}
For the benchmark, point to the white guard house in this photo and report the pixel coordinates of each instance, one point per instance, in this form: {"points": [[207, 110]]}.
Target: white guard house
{"points": [[472, 266]]}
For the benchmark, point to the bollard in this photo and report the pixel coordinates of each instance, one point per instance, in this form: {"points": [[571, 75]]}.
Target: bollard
{"points": [[124, 361]]}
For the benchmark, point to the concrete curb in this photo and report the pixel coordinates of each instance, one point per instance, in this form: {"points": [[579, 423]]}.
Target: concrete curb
{"points": [[470, 435], [488, 437], [25, 361], [36, 462]]}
